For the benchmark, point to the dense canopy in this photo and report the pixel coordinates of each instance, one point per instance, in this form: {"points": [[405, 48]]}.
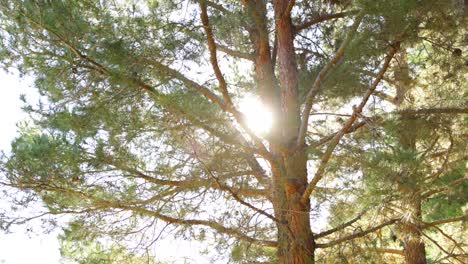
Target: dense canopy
{"points": [[140, 131]]}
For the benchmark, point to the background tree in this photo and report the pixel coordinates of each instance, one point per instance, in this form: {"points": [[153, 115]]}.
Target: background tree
{"points": [[142, 123], [416, 158]]}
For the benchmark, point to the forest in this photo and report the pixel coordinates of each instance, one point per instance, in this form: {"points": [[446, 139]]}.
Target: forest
{"points": [[282, 131]]}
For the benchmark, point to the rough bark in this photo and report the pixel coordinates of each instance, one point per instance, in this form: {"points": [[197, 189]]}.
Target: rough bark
{"points": [[295, 239], [414, 249]]}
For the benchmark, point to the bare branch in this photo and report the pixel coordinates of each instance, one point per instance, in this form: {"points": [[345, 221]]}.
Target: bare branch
{"points": [[456, 243]]}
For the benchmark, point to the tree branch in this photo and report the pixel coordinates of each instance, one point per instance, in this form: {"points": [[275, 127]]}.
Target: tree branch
{"points": [[340, 227], [429, 111], [445, 221], [322, 18], [235, 53], [213, 56], [440, 247], [212, 224], [321, 77], [287, 11], [389, 251], [334, 142], [351, 130], [356, 235], [445, 188]]}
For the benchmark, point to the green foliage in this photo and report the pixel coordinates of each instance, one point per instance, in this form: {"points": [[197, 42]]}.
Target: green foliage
{"points": [[133, 126]]}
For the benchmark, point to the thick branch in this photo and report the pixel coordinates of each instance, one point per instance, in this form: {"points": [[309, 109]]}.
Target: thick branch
{"points": [[287, 12]]}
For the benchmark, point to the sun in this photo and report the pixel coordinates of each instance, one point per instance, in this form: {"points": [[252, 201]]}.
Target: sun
{"points": [[259, 117]]}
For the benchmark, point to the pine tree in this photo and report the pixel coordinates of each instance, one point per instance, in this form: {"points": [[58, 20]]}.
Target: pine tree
{"points": [[142, 118]]}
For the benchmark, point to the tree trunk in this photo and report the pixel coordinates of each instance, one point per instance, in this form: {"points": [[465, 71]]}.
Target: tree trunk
{"points": [[410, 226], [295, 239], [289, 168], [414, 249]]}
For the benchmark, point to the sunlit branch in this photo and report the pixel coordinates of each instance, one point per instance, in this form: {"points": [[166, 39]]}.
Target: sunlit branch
{"points": [[166, 69], [235, 194], [313, 91], [212, 224], [389, 251], [188, 82], [348, 125], [107, 204], [191, 184]]}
